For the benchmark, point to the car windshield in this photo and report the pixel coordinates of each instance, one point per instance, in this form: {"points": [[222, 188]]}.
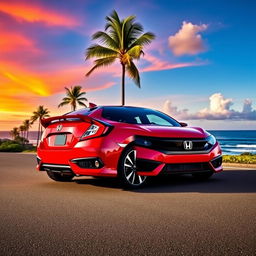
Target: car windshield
{"points": [[133, 115]]}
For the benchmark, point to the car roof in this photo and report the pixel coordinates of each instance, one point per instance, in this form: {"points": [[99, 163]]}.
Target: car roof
{"points": [[120, 106]]}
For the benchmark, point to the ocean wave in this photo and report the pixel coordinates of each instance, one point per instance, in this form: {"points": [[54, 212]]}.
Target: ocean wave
{"points": [[240, 150], [245, 146], [238, 146]]}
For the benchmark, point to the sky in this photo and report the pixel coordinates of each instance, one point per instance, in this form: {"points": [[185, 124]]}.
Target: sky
{"points": [[201, 68]]}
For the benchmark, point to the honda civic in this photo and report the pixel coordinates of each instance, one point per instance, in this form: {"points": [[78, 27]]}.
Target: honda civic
{"points": [[131, 143]]}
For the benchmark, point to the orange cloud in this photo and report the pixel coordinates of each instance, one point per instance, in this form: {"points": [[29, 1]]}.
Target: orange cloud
{"points": [[15, 43], [30, 13], [157, 64], [15, 81], [11, 105]]}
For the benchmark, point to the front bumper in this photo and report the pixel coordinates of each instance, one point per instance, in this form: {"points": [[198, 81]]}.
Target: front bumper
{"points": [[152, 162], [183, 163]]}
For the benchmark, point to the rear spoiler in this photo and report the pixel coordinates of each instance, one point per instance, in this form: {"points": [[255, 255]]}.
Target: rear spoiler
{"points": [[47, 121]]}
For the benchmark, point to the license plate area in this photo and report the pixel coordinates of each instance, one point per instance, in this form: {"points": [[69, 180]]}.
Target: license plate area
{"points": [[60, 140]]}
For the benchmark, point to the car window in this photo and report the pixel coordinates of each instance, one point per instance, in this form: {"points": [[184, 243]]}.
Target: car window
{"points": [[136, 115], [154, 119], [137, 118]]}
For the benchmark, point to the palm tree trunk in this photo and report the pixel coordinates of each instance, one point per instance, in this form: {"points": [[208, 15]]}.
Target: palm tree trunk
{"points": [[27, 135], [123, 84], [38, 132]]}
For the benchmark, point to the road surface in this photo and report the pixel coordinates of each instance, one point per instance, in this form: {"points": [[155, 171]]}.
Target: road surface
{"points": [[171, 216]]}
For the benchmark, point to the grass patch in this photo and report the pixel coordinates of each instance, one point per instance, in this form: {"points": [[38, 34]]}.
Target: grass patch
{"points": [[245, 158], [10, 146], [16, 146]]}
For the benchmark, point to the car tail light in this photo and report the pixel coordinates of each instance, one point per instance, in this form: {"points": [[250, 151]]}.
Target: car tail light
{"points": [[92, 130], [96, 130]]}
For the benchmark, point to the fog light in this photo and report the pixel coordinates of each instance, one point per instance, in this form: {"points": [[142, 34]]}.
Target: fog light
{"points": [[88, 163], [97, 164]]}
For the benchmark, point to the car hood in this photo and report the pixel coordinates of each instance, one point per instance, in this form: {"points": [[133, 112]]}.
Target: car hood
{"points": [[173, 132]]}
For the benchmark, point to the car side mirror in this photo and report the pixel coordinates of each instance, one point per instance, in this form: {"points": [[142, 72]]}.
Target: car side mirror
{"points": [[183, 124]]}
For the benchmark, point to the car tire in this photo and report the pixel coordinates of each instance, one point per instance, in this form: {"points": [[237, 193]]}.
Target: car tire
{"points": [[58, 177], [202, 175], [127, 172]]}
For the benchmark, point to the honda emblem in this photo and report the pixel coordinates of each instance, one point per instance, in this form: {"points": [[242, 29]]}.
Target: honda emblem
{"points": [[188, 144], [59, 127]]}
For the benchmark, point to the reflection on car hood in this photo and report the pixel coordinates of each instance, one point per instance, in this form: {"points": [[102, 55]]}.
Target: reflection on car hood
{"points": [[174, 132]]}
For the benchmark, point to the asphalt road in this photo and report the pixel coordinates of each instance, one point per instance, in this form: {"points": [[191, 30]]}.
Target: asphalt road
{"points": [[171, 216]]}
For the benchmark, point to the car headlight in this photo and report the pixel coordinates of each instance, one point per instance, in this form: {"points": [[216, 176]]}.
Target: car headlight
{"points": [[143, 142], [91, 131], [211, 140]]}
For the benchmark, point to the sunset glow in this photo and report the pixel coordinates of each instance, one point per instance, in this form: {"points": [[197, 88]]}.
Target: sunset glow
{"points": [[42, 47], [27, 12]]}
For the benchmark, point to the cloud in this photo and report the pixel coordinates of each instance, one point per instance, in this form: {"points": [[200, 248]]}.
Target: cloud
{"points": [[173, 110], [10, 41], [247, 108], [157, 64], [35, 13], [17, 80], [187, 40], [219, 109]]}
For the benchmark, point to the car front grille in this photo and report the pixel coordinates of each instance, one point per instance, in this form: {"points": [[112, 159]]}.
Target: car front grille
{"points": [[186, 168], [174, 145]]}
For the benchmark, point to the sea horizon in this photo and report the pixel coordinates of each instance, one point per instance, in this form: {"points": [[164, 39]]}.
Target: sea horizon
{"points": [[232, 142]]}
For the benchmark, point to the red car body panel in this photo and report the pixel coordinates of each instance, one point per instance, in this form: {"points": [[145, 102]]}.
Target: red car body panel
{"points": [[110, 141]]}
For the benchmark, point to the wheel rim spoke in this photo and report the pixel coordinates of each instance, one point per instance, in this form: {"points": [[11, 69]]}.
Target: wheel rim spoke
{"points": [[131, 174], [134, 155], [128, 176], [140, 179], [129, 159], [133, 177]]}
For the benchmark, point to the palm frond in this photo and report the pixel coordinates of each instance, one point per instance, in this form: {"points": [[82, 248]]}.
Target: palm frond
{"points": [[101, 63], [144, 39], [81, 103], [106, 39], [133, 73], [134, 30], [83, 98], [135, 52], [76, 91], [97, 50], [114, 26], [126, 25], [63, 103]]}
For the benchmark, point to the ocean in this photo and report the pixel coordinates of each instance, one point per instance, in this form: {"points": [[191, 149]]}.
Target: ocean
{"points": [[233, 142], [236, 142]]}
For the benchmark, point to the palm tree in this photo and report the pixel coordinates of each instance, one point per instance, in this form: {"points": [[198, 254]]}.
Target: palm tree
{"points": [[73, 97], [22, 130], [15, 132], [27, 125], [122, 40], [40, 113]]}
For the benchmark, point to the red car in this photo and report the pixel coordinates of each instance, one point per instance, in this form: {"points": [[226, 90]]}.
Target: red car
{"points": [[131, 143]]}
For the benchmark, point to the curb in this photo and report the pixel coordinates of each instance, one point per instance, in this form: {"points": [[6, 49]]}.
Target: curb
{"points": [[237, 165]]}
